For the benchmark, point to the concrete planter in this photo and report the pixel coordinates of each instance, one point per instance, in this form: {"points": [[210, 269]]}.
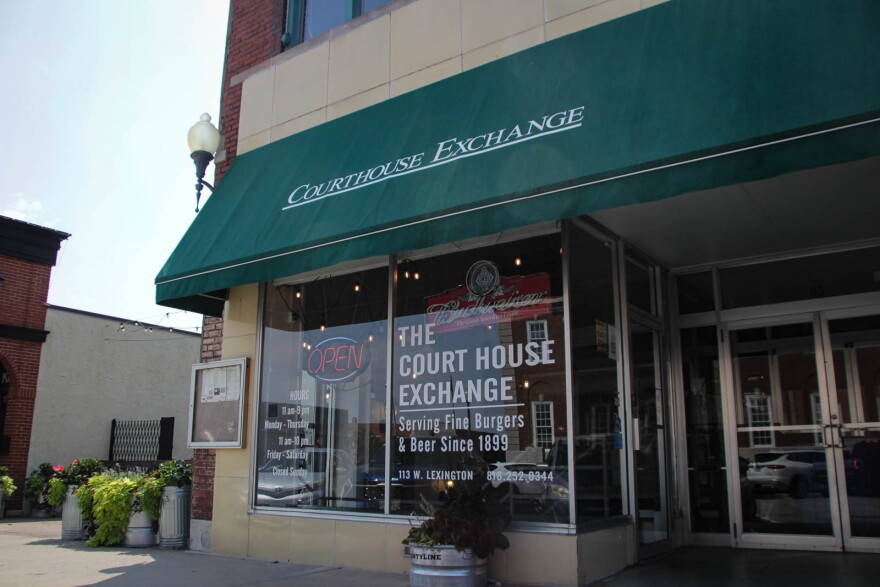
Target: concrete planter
{"points": [[71, 517], [174, 518], [443, 566]]}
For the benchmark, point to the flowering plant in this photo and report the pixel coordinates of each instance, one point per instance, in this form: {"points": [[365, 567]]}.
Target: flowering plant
{"points": [[36, 487], [77, 473]]}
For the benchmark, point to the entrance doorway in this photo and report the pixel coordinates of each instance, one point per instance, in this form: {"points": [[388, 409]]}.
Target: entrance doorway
{"points": [[649, 439], [805, 407]]}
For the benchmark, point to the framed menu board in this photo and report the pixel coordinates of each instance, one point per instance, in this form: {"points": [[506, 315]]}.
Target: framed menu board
{"points": [[216, 404]]}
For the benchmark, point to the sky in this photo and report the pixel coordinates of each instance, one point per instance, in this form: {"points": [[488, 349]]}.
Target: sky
{"points": [[97, 97]]}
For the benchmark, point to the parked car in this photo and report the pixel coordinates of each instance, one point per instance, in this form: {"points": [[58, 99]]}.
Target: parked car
{"points": [[789, 472], [302, 482], [520, 478], [861, 466]]}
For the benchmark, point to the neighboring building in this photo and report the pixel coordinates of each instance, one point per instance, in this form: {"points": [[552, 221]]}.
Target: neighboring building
{"points": [[673, 204], [27, 255], [96, 369]]}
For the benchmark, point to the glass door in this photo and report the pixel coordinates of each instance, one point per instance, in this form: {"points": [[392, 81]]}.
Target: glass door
{"points": [[782, 437], [855, 427], [649, 439]]}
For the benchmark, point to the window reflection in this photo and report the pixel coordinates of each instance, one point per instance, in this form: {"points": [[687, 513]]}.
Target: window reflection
{"points": [[322, 419], [479, 373], [597, 406]]}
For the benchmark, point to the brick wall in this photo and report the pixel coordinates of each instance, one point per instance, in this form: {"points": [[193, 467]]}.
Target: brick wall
{"points": [[203, 458], [22, 303], [254, 36], [23, 293]]}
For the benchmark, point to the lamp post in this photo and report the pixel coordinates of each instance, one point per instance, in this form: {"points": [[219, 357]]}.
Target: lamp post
{"points": [[204, 139]]}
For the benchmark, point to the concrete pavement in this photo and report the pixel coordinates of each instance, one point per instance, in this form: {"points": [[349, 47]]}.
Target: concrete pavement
{"points": [[32, 554]]}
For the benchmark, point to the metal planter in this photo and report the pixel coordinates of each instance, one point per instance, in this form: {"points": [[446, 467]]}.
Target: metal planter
{"points": [[443, 566], [139, 533], [71, 517], [174, 518]]}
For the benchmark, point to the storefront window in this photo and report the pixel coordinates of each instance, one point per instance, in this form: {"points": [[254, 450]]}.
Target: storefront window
{"points": [[479, 377], [321, 427], [598, 431]]}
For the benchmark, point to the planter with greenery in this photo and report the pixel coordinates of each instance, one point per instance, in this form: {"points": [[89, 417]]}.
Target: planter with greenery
{"points": [[7, 487], [451, 546], [36, 490], [61, 492], [110, 502], [175, 477]]}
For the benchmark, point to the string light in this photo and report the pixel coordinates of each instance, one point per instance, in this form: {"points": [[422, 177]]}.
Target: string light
{"points": [[298, 294], [357, 286], [517, 261], [416, 275]]}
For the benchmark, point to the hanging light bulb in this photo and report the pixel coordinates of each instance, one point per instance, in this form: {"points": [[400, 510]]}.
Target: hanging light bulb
{"points": [[357, 286], [416, 275], [370, 338], [298, 294], [517, 261], [406, 273], [322, 327]]}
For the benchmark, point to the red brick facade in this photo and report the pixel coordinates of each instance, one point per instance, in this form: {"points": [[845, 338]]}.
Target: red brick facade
{"points": [[203, 458], [254, 37], [23, 293]]}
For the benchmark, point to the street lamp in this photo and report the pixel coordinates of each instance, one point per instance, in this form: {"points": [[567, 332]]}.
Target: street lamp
{"points": [[203, 139]]}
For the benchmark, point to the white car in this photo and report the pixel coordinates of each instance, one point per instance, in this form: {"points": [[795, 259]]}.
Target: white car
{"points": [[303, 482], [785, 472], [521, 478]]}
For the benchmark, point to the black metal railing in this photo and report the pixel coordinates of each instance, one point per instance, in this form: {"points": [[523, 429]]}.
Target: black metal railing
{"points": [[141, 440]]}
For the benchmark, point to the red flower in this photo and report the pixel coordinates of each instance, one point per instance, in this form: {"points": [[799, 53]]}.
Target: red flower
{"points": [[58, 468]]}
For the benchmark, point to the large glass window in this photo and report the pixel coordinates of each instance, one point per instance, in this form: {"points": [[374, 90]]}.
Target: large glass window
{"points": [[598, 432], [478, 384], [467, 369], [310, 18], [321, 427]]}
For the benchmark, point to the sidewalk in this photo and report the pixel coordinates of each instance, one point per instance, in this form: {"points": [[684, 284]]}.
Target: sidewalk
{"points": [[33, 555]]}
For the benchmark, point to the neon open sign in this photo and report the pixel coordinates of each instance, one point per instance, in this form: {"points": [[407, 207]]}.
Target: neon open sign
{"points": [[337, 359]]}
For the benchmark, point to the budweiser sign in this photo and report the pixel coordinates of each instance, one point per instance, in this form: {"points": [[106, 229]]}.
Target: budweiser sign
{"points": [[488, 298]]}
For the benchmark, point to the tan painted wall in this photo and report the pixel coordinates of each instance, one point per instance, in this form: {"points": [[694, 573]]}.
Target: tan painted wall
{"points": [[407, 45], [91, 373]]}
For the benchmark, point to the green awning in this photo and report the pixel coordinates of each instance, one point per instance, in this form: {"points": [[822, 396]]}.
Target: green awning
{"points": [[685, 96]]}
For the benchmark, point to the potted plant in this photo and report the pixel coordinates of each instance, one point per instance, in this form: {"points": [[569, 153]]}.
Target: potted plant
{"points": [[120, 508], [451, 546], [36, 490], [175, 478], [61, 492], [7, 487]]}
